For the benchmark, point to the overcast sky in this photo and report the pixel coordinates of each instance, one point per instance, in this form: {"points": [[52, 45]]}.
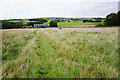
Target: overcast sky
{"points": [[10, 9]]}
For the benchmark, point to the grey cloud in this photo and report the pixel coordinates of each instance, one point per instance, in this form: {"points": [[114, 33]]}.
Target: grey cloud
{"points": [[58, 9]]}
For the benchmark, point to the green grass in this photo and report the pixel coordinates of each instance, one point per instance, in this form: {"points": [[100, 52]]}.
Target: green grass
{"points": [[65, 53], [14, 42], [76, 23], [14, 21]]}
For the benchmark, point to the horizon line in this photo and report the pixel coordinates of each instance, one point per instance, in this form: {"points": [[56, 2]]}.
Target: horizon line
{"points": [[54, 17]]}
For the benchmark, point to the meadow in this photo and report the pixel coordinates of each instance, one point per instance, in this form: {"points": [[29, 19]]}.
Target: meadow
{"points": [[60, 53]]}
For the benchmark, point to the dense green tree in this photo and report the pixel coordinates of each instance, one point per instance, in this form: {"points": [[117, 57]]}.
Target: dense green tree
{"points": [[118, 14], [0, 24], [84, 21], [39, 19], [10, 25], [32, 23], [111, 19], [98, 20], [53, 24], [88, 20], [5, 25]]}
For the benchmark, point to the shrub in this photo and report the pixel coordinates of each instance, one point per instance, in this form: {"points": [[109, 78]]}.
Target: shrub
{"points": [[42, 26], [31, 26], [53, 24], [99, 25]]}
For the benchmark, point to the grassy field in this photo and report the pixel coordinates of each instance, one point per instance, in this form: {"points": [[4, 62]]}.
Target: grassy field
{"points": [[64, 24], [76, 23], [60, 53]]}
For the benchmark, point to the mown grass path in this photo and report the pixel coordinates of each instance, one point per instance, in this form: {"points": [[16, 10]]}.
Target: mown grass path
{"points": [[84, 59]]}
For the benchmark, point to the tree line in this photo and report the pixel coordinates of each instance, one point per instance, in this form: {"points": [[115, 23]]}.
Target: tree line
{"points": [[97, 20], [39, 19], [10, 25], [22, 24]]}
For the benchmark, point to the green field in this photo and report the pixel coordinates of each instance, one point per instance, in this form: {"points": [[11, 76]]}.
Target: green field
{"points": [[77, 23], [65, 23], [60, 53]]}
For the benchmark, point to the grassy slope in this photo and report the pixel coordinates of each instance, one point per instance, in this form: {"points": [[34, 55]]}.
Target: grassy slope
{"points": [[70, 53]]}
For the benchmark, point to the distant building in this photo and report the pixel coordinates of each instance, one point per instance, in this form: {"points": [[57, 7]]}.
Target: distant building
{"points": [[119, 6], [40, 25]]}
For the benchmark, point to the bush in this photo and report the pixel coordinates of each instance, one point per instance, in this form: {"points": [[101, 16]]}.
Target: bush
{"points": [[53, 24], [42, 26], [100, 25], [31, 26]]}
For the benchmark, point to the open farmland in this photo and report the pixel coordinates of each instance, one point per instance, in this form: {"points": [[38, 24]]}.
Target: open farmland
{"points": [[63, 24], [77, 23], [60, 53]]}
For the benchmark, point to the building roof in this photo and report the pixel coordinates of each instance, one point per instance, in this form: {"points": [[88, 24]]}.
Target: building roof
{"points": [[39, 25]]}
